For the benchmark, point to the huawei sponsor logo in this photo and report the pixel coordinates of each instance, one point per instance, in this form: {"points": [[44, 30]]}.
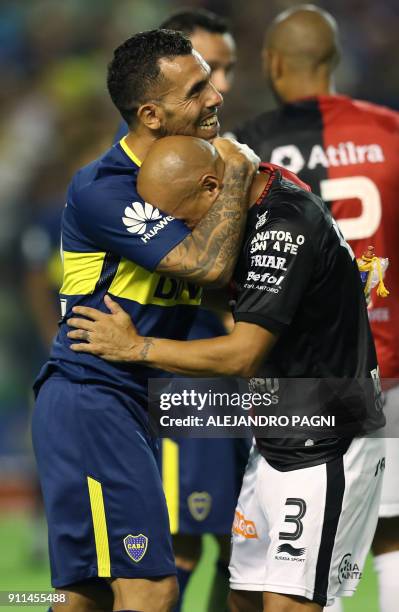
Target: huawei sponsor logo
{"points": [[138, 216]]}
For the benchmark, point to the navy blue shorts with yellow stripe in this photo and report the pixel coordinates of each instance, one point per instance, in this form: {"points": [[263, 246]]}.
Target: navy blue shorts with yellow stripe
{"points": [[102, 489], [202, 480]]}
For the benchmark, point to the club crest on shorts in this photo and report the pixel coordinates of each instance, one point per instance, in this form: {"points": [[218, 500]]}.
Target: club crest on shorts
{"points": [[136, 546], [199, 504]]}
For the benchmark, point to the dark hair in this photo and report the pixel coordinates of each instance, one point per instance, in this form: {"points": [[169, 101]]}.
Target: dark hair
{"points": [[134, 69], [190, 19]]}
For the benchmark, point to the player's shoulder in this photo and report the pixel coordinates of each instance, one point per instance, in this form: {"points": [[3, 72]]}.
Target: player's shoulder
{"points": [[108, 178], [370, 111], [292, 201]]}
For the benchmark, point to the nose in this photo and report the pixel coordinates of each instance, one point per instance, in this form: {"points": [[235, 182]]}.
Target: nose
{"points": [[220, 81], [215, 97]]}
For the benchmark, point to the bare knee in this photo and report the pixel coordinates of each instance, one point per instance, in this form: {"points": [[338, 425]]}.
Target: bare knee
{"points": [[167, 595], [245, 601], [148, 595], [386, 538], [277, 602]]}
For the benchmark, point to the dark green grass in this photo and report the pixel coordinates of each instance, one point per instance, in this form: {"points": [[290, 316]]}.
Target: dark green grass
{"points": [[20, 573]]}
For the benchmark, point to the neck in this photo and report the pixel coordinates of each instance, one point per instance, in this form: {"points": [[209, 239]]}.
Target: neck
{"points": [[300, 86], [139, 142], [258, 186]]}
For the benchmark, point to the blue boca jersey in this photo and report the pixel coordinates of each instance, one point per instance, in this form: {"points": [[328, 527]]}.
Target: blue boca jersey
{"points": [[112, 241], [207, 324]]}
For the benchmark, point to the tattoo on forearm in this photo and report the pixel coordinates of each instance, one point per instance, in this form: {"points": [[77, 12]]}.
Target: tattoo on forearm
{"points": [[148, 343], [214, 243]]}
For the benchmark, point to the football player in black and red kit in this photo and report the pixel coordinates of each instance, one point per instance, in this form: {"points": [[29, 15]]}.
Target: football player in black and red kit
{"points": [[347, 150], [300, 313]]}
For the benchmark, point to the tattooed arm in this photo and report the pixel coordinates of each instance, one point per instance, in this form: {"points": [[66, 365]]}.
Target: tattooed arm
{"points": [[208, 255]]}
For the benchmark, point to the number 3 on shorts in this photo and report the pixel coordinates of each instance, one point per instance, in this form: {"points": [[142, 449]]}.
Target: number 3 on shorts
{"points": [[294, 518]]}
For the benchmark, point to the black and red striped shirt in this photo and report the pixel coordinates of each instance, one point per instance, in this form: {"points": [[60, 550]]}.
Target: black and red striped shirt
{"points": [[348, 152]]}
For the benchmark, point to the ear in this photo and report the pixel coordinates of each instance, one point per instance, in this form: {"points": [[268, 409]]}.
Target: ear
{"points": [[150, 115], [272, 63], [211, 185]]}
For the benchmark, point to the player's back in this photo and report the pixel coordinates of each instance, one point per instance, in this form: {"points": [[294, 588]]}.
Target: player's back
{"points": [[347, 150], [297, 278]]}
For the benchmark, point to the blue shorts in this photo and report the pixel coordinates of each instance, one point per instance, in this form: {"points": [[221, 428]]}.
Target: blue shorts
{"points": [[102, 489], [202, 479]]}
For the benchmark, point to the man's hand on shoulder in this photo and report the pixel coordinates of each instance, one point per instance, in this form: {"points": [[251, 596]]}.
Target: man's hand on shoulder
{"points": [[234, 152]]}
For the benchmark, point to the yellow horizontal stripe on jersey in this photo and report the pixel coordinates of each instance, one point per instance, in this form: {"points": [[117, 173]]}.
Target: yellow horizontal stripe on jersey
{"points": [[100, 527], [129, 152], [170, 481], [135, 283], [81, 272]]}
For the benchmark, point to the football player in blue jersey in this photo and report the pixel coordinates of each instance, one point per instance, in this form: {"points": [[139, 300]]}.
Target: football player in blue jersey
{"points": [[106, 511], [202, 477]]}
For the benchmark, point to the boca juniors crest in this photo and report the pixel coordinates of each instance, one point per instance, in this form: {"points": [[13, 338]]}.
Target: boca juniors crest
{"points": [[199, 504], [136, 546]]}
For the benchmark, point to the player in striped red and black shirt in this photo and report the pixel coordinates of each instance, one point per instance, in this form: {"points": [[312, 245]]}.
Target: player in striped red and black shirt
{"points": [[347, 150], [299, 313]]}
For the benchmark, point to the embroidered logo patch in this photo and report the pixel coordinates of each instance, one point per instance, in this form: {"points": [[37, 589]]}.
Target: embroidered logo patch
{"points": [[136, 546], [199, 504]]}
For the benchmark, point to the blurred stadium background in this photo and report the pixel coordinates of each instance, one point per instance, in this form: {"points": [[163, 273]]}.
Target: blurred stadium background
{"points": [[56, 116]]}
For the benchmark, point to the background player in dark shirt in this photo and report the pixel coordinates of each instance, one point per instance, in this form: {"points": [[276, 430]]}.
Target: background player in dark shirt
{"points": [[347, 150], [300, 313]]}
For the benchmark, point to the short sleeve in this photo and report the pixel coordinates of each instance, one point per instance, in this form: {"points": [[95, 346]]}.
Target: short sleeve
{"points": [[119, 221], [279, 265]]}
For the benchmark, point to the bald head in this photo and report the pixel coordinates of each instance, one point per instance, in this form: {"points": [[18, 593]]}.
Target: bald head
{"points": [[302, 41], [306, 34], [181, 175]]}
